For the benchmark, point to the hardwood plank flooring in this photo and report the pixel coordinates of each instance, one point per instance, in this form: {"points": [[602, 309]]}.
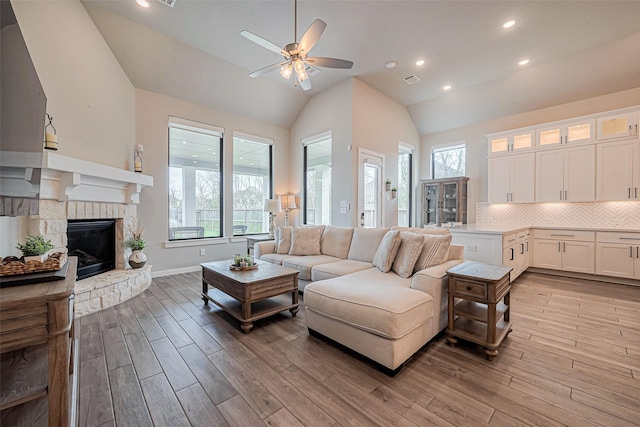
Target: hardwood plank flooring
{"points": [[165, 359]]}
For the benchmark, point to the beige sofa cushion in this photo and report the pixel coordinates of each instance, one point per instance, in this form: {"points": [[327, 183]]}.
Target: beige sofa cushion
{"points": [[304, 264], [408, 254], [336, 241], [336, 269], [373, 301], [386, 253], [434, 252], [274, 258], [365, 242], [282, 236], [306, 240]]}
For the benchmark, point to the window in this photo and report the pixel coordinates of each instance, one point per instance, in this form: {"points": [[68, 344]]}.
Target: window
{"points": [[405, 184], [195, 180], [252, 183], [448, 161], [317, 180]]}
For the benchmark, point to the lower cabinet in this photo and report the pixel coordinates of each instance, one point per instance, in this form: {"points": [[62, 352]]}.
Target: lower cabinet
{"points": [[515, 252], [618, 254], [561, 250]]}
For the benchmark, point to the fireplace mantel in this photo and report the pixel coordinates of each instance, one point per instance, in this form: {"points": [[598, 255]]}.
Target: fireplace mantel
{"points": [[68, 179]]}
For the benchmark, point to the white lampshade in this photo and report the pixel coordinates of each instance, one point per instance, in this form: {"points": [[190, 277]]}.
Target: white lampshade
{"points": [[288, 201], [271, 205]]}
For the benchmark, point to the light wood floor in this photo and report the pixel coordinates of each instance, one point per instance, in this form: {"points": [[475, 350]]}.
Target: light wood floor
{"points": [[165, 359]]}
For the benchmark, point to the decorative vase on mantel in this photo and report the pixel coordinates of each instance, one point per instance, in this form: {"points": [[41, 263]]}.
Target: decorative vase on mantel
{"points": [[137, 259]]}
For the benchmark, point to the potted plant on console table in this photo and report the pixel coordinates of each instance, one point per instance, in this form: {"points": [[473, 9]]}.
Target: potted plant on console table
{"points": [[136, 243], [35, 248]]}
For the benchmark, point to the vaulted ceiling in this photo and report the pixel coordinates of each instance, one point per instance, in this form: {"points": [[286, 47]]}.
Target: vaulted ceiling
{"points": [[194, 51]]}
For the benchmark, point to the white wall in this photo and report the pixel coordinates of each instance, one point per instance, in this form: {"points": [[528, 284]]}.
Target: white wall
{"points": [[152, 114], [379, 124], [328, 110], [358, 116], [474, 135], [88, 94]]}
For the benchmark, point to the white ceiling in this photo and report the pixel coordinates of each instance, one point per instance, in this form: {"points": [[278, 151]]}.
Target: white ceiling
{"points": [[578, 50]]}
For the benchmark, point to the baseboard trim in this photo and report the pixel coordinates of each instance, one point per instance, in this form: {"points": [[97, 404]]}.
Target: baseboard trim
{"points": [[585, 276], [182, 270]]}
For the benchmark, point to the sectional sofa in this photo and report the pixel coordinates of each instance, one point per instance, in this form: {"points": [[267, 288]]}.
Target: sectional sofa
{"points": [[380, 292]]}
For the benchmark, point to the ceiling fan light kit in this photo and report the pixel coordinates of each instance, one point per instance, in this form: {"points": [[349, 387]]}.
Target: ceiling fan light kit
{"points": [[296, 54]]}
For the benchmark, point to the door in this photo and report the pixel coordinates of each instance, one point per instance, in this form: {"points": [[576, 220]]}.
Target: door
{"points": [[579, 174], [370, 188], [500, 179], [615, 171], [431, 203], [615, 259], [546, 254], [578, 257], [550, 176], [618, 126], [522, 178]]}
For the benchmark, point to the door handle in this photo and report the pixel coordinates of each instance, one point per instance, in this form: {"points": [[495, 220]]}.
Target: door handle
{"points": [[564, 247], [630, 251], [629, 192], [637, 251], [527, 243], [559, 247], [565, 194], [560, 194], [512, 254], [521, 248]]}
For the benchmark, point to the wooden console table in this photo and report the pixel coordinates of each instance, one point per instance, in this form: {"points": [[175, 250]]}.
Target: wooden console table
{"points": [[36, 350], [480, 316]]}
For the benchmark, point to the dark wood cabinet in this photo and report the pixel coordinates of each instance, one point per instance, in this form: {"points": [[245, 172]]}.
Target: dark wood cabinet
{"points": [[443, 200]]}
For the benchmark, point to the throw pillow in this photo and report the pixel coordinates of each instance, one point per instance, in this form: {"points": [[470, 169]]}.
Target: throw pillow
{"points": [[408, 254], [306, 240], [365, 243], [434, 252], [386, 253], [283, 240], [336, 241]]}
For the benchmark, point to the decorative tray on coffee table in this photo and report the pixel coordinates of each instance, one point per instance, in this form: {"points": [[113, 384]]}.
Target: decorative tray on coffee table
{"points": [[238, 268]]}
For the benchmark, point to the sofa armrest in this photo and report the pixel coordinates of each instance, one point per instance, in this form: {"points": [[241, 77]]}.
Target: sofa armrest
{"points": [[260, 248], [456, 252]]}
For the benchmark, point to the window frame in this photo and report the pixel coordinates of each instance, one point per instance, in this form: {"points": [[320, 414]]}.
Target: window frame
{"points": [[207, 129], [408, 149], [261, 140], [446, 147], [306, 142]]}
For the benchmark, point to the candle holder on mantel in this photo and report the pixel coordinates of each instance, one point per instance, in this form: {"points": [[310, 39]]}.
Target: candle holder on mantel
{"points": [[50, 138], [137, 161]]}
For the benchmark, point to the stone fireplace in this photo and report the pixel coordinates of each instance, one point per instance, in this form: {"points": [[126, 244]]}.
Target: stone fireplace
{"points": [[73, 189]]}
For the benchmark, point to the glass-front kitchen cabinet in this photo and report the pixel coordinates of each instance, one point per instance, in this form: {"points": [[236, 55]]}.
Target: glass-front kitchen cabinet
{"points": [[443, 200]]}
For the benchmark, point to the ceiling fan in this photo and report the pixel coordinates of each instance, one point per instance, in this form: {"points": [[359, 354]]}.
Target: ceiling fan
{"points": [[296, 54]]}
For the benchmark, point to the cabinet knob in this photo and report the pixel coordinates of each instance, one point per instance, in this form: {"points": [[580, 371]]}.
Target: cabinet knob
{"points": [[469, 288]]}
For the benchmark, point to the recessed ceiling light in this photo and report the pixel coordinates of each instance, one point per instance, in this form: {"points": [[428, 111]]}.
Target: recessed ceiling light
{"points": [[523, 62], [391, 64], [251, 164], [143, 3], [446, 87], [420, 62], [194, 155], [510, 23], [195, 161], [184, 142]]}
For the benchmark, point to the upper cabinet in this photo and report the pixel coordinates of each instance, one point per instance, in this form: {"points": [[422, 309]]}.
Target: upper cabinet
{"points": [[506, 143], [511, 179], [617, 126], [581, 131], [566, 175], [618, 171]]}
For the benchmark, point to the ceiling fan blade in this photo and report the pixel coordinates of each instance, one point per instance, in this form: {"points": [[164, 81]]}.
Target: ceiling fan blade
{"points": [[311, 36], [264, 43], [265, 70], [330, 63]]}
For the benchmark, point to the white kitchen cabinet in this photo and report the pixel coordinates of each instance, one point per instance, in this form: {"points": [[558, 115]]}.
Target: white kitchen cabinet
{"points": [[618, 254], [581, 131], [508, 143], [564, 250], [618, 171], [515, 252], [616, 126], [511, 179], [566, 175]]}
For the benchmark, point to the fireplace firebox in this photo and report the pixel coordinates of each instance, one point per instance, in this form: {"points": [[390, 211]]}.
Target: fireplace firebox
{"points": [[94, 243]]}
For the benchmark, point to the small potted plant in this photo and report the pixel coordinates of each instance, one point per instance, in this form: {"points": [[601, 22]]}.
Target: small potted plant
{"points": [[136, 243], [388, 184], [35, 248], [394, 192]]}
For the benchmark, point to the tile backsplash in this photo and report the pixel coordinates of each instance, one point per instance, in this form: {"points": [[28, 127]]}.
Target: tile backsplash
{"points": [[588, 215]]}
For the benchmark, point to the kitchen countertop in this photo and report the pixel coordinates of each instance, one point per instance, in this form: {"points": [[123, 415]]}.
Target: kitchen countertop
{"points": [[505, 229]]}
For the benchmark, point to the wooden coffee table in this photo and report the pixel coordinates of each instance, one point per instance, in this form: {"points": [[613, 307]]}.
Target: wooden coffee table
{"points": [[252, 294]]}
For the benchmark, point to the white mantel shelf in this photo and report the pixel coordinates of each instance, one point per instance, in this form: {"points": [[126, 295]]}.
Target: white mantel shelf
{"points": [[65, 178]]}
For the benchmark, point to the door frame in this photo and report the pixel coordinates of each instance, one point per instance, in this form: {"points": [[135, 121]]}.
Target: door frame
{"points": [[363, 155]]}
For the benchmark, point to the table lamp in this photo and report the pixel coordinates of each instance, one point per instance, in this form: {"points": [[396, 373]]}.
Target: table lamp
{"points": [[287, 202], [271, 206]]}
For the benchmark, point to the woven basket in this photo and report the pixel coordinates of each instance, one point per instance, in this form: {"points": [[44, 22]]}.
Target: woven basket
{"points": [[11, 265]]}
